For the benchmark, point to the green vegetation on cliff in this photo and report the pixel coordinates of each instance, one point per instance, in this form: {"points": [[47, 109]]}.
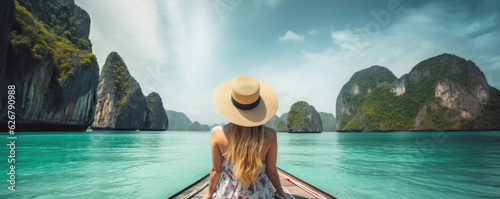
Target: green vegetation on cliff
{"points": [[120, 76], [365, 79], [294, 116], [438, 118], [150, 102], [303, 118], [419, 106], [64, 23], [429, 71], [384, 111], [40, 38], [490, 116], [156, 117]]}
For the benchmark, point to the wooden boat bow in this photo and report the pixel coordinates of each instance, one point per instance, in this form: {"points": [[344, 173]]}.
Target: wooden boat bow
{"points": [[291, 184]]}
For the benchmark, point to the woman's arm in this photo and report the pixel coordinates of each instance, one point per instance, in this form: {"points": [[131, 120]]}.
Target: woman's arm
{"points": [[271, 170], [216, 170]]}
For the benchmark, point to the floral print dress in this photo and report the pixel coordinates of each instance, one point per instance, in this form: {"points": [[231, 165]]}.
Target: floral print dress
{"points": [[229, 187]]}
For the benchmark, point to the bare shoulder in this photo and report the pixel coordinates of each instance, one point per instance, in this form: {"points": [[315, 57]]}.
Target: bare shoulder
{"points": [[216, 131], [270, 134]]}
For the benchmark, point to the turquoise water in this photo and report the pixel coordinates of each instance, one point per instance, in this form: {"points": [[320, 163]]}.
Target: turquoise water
{"points": [[347, 165]]}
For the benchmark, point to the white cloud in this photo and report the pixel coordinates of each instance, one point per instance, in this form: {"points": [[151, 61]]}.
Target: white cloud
{"points": [[312, 32], [348, 40], [124, 30], [413, 36], [291, 36], [167, 46], [192, 33]]}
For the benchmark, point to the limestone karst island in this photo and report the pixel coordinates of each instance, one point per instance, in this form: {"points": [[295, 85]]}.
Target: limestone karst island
{"points": [[445, 92]]}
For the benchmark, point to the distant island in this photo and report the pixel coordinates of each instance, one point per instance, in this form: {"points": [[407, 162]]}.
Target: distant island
{"points": [[445, 92], [303, 118], [328, 121], [278, 123], [178, 121]]}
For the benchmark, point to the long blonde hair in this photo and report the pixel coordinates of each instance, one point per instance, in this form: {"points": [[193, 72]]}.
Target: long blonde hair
{"points": [[245, 147]]}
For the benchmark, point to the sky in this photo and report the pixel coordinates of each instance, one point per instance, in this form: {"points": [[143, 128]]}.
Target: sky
{"points": [[305, 50]]}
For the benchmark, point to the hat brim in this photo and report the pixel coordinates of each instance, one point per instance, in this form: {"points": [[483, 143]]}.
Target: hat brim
{"points": [[255, 117]]}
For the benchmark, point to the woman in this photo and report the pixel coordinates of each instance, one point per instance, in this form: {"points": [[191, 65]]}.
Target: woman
{"points": [[244, 152]]}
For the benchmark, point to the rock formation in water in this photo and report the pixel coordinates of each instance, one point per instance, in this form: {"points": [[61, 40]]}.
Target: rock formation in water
{"points": [[445, 92], [206, 127], [278, 123], [273, 122], [156, 117], [178, 121], [196, 126], [353, 93], [46, 54], [328, 121], [303, 118], [121, 105]]}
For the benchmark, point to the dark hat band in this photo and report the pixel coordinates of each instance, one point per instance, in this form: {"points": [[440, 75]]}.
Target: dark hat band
{"points": [[245, 106]]}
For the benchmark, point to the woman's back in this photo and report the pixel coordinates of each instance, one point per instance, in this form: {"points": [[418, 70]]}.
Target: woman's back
{"points": [[229, 186], [244, 152], [224, 135]]}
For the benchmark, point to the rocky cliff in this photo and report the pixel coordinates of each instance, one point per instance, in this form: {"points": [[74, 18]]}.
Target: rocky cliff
{"points": [[328, 121], [51, 66], [445, 92], [353, 93], [156, 117], [178, 121], [303, 118], [121, 105]]}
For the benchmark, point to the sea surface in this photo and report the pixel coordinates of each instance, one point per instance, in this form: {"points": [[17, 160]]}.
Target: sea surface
{"points": [[102, 164]]}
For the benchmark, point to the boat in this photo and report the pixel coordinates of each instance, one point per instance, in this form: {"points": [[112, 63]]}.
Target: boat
{"points": [[292, 185]]}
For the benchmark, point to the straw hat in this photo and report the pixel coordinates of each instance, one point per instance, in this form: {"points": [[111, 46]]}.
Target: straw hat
{"points": [[245, 101]]}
